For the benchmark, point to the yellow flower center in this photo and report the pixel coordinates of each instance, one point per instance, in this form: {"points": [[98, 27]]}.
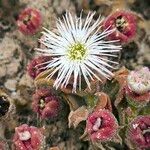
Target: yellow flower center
{"points": [[77, 51]]}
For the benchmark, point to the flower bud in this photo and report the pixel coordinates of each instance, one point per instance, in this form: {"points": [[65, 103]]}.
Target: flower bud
{"points": [[101, 125], [46, 103], [138, 86], [139, 80], [139, 132], [35, 67], [124, 23], [29, 21], [28, 137]]}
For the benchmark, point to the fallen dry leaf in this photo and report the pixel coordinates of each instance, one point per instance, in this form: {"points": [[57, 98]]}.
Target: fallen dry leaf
{"points": [[72, 100], [121, 75], [103, 101], [54, 148], [75, 117]]}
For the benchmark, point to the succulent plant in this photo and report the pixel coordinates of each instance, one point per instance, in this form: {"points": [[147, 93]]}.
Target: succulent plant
{"points": [[125, 24], [76, 92], [46, 103], [139, 80], [37, 65], [138, 132], [28, 137], [138, 87], [29, 21], [101, 125]]}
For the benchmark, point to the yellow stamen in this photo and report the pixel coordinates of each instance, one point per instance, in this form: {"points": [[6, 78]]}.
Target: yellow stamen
{"points": [[77, 52]]}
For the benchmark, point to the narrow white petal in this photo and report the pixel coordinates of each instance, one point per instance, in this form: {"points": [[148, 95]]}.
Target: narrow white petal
{"points": [[96, 62]]}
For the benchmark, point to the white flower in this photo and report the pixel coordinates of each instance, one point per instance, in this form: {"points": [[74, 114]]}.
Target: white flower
{"points": [[78, 50]]}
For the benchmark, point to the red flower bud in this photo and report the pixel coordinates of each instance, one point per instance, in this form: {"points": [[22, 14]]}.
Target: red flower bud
{"points": [[125, 24], [139, 132], [101, 125], [45, 103], [36, 66], [29, 21], [138, 87], [28, 137]]}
